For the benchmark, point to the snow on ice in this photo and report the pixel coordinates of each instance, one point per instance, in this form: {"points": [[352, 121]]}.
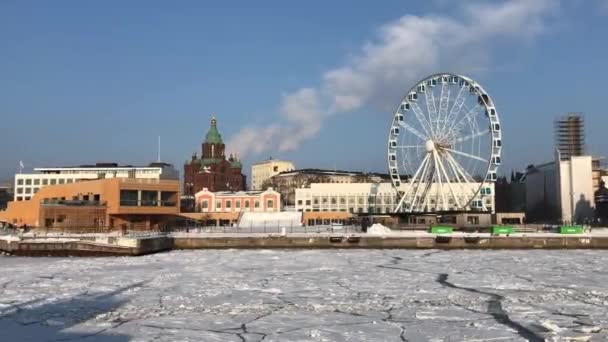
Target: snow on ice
{"points": [[308, 295]]}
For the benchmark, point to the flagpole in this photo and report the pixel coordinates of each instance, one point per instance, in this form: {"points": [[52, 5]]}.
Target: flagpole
{"points": [[158, 149]]}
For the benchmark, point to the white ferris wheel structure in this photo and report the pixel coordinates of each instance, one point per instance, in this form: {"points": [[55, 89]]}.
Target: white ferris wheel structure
{"points": [[444, 145]]}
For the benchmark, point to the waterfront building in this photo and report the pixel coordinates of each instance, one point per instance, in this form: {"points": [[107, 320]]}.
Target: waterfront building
{"points": [[28, 184], [213, 170], [111, 203], [377, 198], [562, 190], [238, 201], [287, 182], [261, 172]]}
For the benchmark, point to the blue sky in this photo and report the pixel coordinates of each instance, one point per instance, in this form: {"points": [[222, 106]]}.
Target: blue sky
{"points": [[310, 81]]}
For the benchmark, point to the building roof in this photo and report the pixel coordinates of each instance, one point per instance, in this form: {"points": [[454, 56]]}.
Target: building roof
{"points": [[213, 136], [104, 166], [272, 160], [332, 173]]}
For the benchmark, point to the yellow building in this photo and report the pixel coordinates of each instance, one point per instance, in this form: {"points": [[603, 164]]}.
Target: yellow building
{"points": [[263, 171], [115, 203]]}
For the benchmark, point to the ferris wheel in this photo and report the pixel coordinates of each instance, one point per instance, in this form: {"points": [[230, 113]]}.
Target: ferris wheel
{"points": [[444, 145]]}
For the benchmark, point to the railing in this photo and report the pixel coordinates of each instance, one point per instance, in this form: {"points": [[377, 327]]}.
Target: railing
{"points": [[147, 203], [268, 229], [82, 203]]}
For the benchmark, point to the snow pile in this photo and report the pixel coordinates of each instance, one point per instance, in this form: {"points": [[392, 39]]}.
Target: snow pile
{"points": [[9, 238], [378, 229]]}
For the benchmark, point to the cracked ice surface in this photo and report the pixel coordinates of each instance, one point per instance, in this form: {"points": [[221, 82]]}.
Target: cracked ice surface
{"points": [[308, 295]]}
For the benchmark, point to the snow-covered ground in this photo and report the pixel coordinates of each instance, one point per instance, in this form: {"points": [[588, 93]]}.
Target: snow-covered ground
{"points": [[308, 295]]}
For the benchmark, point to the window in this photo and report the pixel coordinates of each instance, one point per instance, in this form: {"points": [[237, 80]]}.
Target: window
{"points": [[488, 191], [205, 204], [19, 190], [247, 204], [299, 202], [19, 181], [228, 204], [19, 198], [53, 181], [61, 181], [45, 182], [27, 198], [28, 182], [333, 200], [36, 181], [275, 169], [237, 204], [307, 202], [128, 198], [218, 205], [256, 204], [36, 190], [473, 219], [270, 204], [69, 180], [316, 201], [149, 198]]}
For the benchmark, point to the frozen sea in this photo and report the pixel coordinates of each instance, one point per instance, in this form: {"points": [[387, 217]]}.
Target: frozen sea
{"points": [[308, 295]]}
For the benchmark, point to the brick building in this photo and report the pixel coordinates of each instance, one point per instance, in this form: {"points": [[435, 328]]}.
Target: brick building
{"points": [[212, 170]]}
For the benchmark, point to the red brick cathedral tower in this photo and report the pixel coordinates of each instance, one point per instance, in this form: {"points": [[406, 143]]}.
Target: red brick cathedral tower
{"points": [[213, 171]]}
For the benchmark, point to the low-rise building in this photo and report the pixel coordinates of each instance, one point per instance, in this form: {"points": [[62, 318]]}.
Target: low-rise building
{"points": [[238, 201], [112, 203], [377, 198], [28, 184], [263, 171]]}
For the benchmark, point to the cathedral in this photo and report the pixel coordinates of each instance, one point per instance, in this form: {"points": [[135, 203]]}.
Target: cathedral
{"points": [[213, 170]]}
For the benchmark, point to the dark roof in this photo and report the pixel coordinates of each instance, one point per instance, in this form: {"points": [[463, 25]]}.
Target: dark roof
{"points": [[334, 172]]}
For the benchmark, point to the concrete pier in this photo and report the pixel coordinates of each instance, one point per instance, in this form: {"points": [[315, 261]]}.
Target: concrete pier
{"points": [[133, 246]]}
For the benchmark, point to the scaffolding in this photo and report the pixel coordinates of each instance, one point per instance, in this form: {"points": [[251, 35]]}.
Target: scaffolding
{"points": [[570, 135]]}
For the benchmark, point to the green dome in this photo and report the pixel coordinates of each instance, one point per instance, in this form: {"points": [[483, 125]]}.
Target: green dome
{"points": [[213, 136], [236, 164]]}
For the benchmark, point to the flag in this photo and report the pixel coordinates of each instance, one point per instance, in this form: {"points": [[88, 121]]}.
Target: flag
{"points": [[21, 164]]}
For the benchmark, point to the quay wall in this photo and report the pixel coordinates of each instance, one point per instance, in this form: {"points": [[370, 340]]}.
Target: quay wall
{"points": [[125, 246]]}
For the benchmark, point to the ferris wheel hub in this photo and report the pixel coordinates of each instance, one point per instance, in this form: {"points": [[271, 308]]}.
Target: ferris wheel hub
{"points": [[430, 146]]}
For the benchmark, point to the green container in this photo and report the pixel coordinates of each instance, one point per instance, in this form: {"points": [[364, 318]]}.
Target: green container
{"points": [[441, 230], [497, 230], [571, 230]]}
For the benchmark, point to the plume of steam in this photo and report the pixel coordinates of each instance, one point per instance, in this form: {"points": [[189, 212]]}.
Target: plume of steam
{"points": [[404, 51]]}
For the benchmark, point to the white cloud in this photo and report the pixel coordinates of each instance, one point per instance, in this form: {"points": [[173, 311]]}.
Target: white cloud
{"points": [[404, 51]]}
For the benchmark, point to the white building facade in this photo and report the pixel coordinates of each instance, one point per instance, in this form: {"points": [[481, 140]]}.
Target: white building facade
{"points": [[376, 198], [562, 190], [28, 184], [263, 171]]}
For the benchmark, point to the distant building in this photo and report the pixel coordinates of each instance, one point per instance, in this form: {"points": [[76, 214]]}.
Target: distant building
{"points": [[238, 201], [511, 194], [26, 185], [570, 136], [287, 182], [374, 198], [561, 191], [116, 203], [212, 170], [263, 171], [6, 195]]}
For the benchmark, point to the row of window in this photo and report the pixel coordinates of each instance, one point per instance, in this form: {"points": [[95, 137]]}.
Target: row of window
{"points": [[27, 190], [237, 204], [44, 181], [342, 200]]}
